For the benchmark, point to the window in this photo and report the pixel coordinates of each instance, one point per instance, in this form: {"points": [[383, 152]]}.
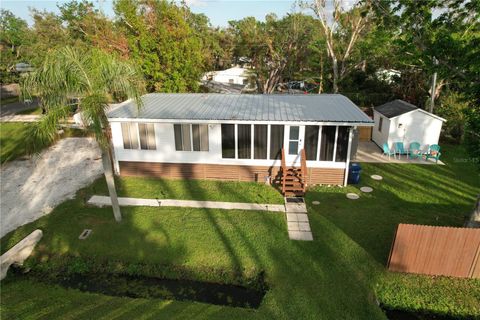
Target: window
{"points": [[327, 143], [293, 140], [130, 135], [311, 142], [147, 136], [228, 141], [200, 137], [191, 135], [342, 144], [245, 81], [244, 141], [260, 141], [230, 81], [380, 123], [276, 141]]}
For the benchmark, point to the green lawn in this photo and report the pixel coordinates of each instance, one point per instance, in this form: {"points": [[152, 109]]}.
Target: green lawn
{"points": [[191, 190], [32, 111], [13, 139], [8, 100], [339, 275]]}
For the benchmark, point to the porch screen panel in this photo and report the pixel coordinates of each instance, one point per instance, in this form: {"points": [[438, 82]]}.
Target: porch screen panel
{"points": [[200, 137], [186, 138], [177, 128], [327, 143], [244, 141], [311, 142], [130, 135], [228, 141], [342, 144], [203, 128], [260, 141], [147, 136], [276, 141]]}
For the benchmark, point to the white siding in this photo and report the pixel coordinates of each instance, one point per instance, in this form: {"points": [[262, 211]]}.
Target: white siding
{"points": [[416, 126], [165, 142], [380, 137]]}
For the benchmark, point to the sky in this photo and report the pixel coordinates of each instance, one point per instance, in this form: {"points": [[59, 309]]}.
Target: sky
{"points": [[219, 11]]}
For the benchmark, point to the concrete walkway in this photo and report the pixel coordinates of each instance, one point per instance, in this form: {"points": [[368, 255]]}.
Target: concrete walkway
{"points": [[297, 222], [105, 201], [370, 152], [20, 118]]}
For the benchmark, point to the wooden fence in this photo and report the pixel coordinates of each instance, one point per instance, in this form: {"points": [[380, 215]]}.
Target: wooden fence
{"points": [[365, 133], [432, 250]]}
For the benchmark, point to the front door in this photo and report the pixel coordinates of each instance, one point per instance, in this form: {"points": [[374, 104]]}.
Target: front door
{"points": [[294, 144]]}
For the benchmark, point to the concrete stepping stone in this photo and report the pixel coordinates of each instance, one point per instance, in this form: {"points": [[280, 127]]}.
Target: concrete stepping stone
{"points": [[316, 203], [376, 177], [293, 226], [295, 207], [352, 196], [366, 189], [300, 235], [304, 226]]}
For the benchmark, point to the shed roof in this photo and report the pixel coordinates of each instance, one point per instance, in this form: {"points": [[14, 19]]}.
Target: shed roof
{"points": [[243, 107], [395, 108]]}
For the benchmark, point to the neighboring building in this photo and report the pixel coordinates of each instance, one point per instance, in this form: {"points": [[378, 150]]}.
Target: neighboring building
{"points": [[235, 75], [235, 136], [400, 121]]}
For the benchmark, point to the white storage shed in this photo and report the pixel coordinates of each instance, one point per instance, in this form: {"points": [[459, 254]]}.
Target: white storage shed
{"points": [[400, 121]]}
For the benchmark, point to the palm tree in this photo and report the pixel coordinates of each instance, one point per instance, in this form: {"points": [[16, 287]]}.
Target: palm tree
{"points": [[94, 77]]}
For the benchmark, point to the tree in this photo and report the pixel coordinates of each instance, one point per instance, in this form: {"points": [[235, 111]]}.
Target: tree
{"points": [[342, 30], [15, 39], [162, 43], [93, 76], [273, 46]]}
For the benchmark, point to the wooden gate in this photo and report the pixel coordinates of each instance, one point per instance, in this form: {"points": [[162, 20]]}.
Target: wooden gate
{"points": [[432, 250], [365, 133]]}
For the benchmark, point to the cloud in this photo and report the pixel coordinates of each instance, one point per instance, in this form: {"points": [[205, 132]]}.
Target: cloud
{"points": [[196, 3]]}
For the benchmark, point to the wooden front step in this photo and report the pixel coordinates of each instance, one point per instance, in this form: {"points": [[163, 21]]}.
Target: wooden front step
{"points": [[294, 178]]}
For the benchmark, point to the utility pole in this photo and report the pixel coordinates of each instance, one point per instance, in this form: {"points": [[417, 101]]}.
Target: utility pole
{"points": [[434, 86]]}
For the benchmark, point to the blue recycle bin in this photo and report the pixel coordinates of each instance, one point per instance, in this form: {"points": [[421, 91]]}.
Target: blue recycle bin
{"points": [[354, 173]]}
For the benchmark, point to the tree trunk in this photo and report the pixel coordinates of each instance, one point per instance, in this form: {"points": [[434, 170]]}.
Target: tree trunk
{"points": [[108, 171], [335, 74], [320, 85]]}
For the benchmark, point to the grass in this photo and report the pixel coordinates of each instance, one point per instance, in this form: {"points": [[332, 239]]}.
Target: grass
{"points": [[14, 135], [339, 275], [32, 111], [8, 100], [191, 190], [12, 140]]}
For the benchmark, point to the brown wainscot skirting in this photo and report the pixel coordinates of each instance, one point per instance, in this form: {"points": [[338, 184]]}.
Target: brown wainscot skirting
{"points": [[223, 172]]}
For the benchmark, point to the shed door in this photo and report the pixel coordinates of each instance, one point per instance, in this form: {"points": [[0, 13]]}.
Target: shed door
{"points": [[294, 144]]}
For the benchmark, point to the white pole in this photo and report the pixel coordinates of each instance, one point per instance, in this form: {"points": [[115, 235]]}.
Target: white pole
{"points": [[434, 85]]}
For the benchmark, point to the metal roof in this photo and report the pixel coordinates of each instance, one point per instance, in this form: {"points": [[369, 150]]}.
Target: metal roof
{"points": [[395, 108], [243, 107]]}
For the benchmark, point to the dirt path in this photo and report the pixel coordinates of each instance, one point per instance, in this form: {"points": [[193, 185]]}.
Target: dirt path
{"points": [[31, 188]]}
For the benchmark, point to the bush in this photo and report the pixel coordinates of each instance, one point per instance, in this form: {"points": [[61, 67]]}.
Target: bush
{"points": [[453, 107]]}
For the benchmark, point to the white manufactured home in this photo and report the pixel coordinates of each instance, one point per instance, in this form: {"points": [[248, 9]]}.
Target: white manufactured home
{"points": [[400, 121], [234, 75], [237, 137]]}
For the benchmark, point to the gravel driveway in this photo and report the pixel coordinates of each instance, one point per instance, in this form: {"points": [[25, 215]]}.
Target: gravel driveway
{"points": [[30, 189]]}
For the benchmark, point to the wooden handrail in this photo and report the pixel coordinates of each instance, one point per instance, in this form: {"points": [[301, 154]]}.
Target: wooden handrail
{"points": [[284, 170], [303, 160]]}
